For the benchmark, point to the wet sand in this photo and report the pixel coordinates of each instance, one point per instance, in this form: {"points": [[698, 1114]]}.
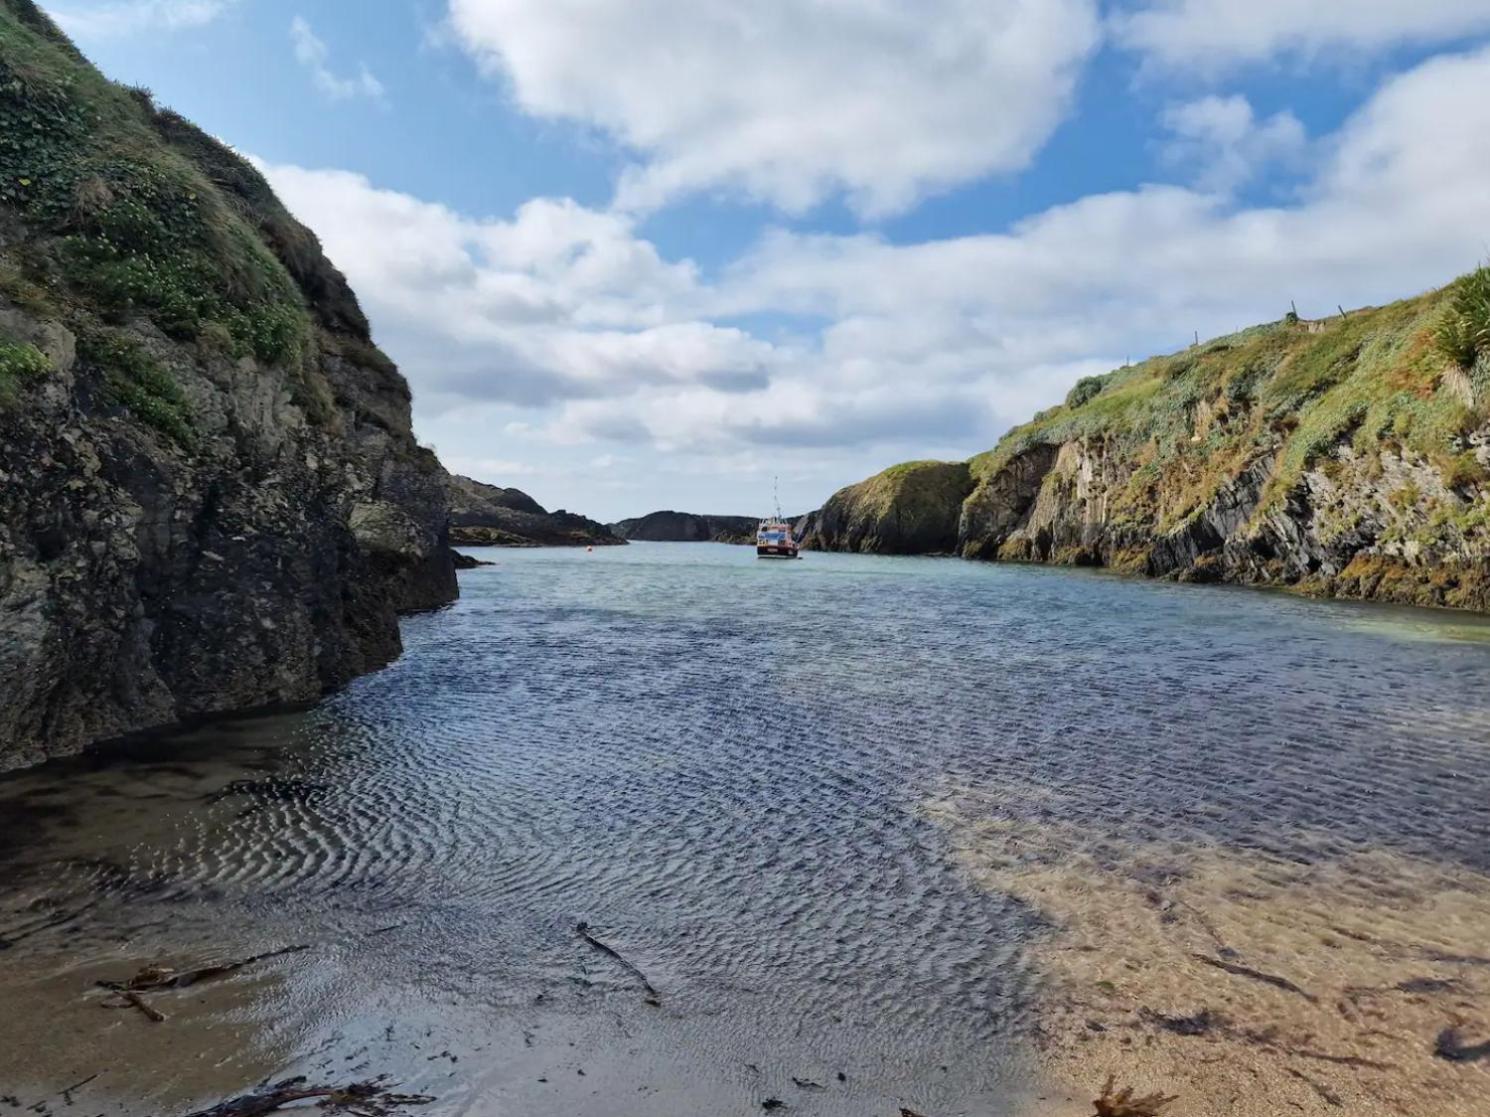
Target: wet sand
{"points": [[1244, 983]]}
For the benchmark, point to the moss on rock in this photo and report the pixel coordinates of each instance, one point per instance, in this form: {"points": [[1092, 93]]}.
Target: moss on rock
{"points": [[911, 508]]}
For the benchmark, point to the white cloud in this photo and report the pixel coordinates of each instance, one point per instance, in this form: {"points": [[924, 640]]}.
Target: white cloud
{"points": [[315, 57], [566, 319], [560, 301], [128, 17], [1210, 34], [1226, 143], [793, 101]]}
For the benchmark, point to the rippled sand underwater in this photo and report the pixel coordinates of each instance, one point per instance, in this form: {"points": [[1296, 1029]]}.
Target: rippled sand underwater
{"points": [[1242, 980], [882, 833]]}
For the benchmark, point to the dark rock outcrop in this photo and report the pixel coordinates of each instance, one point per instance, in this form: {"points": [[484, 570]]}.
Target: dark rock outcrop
{"points": [[483, 515], [1348, 457], [685, 527], [210, 495]]}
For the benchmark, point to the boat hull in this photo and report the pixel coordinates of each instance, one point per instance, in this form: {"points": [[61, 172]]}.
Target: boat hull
{"points": [[776, 552]]}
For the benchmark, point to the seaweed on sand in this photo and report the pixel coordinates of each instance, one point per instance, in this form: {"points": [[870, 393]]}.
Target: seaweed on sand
{"points": [[1122, 1103], [369, 1098]]}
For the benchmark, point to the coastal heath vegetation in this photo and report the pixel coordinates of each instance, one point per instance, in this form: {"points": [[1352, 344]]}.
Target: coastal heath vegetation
{"points": [[1464, 333], [1377, 377], [130, 212]]}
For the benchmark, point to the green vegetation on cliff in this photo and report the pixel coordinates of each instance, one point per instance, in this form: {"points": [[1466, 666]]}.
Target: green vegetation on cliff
{"points": [[1376, 376], [20, 363], [907, 509], [1464, 333], [136, 380], [212, 497], [131, 211], [1285, 452]]}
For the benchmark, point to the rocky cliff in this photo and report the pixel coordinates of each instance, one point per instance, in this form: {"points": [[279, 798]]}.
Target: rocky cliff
{"points": [[685, 527], [210, 495], [1345, 457], [909, 509], [483, 515]]}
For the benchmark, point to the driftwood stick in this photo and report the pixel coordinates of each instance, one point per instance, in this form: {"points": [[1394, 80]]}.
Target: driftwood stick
{"points": [[153, 978], [153, 1014], [67, 1093], [1205, 922], [584, 933]]}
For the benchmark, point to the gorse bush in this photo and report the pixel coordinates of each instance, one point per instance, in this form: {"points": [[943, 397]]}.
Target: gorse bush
{"points": [[1085, 389], [1464, 334]]}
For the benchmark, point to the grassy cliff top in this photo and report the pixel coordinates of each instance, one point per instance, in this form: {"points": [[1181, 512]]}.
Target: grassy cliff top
{"points": [[128, 210], [1414, 375], [909, 485]]}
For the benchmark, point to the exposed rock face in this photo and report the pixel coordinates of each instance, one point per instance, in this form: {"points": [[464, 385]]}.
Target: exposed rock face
{"points": [[906, 510], [1375, 525], [684, 527], [1346, 458], [483, 515], [210, 495]]}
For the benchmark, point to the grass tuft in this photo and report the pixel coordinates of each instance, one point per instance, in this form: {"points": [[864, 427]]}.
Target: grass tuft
{"points": [[135, 380], [1464, 333], [20, 364]]}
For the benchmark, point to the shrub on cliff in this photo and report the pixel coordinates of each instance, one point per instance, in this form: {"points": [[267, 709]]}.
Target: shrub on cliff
{"points": [[1464, 333], [1088, 387], [20, 363]]}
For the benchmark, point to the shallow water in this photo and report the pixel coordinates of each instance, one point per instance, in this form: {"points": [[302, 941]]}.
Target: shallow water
{"points": [[761, 783]]}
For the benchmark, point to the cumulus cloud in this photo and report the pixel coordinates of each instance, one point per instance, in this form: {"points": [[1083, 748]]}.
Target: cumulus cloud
{"points": [[315, 56], [922, 348], [793, 101], [1227, 145], [1207, 34], [128, 17], [558, 302]]}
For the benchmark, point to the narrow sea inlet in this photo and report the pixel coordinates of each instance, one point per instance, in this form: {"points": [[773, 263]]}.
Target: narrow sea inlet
{"points": [[882, 835]]}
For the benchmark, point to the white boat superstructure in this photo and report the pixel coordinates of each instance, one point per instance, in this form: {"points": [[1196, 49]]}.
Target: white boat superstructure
{"points": [[774, 539]]}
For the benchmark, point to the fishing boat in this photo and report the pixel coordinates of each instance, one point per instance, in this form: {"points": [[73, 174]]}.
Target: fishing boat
{"points": [[774, 538]]}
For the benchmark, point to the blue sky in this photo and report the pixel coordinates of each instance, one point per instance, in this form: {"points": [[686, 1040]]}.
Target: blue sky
{"points": [[651, 253]]}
